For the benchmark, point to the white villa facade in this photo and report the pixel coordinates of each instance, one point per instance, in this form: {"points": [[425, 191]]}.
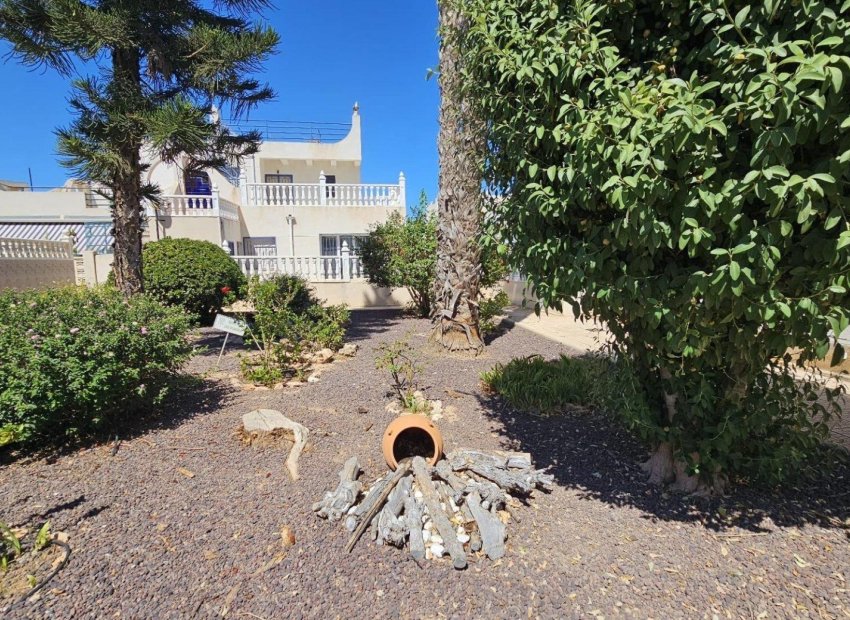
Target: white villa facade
{"points": [[296, 206]]}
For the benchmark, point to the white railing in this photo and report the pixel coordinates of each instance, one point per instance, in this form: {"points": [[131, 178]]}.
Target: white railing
{"points": [[39, 249], [184, 205], [311, 268], [323, 194]]}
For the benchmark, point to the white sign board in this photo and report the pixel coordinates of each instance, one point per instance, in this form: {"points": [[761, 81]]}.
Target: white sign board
{"points": [[230, 325]]}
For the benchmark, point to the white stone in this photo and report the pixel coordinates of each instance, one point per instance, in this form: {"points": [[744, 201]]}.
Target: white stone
{"points": [[485, 505], [264, 421], [436, 539], [463, 538], [426, 536], [349, 349], [352, 509], [313, 379], [428, 554], [437, 550], [429, 525], [418, 494]]}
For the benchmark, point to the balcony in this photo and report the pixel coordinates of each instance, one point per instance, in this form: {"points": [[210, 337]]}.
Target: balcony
{"points": [[323, 194], [184, 205], [312, 268]]}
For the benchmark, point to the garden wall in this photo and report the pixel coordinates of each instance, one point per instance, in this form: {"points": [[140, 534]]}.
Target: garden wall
{"points": [[30, 264]]}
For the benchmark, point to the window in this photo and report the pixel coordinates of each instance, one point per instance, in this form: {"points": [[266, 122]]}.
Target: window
{"points": [[330, 180], [197, 183], [260, 246], [278, 178], [331, 245]]}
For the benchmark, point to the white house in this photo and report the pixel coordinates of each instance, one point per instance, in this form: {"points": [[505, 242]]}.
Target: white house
{"points": [[297, 206]]}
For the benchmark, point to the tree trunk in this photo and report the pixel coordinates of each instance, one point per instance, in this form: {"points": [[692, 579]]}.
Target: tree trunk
{"points": [[126, 185], [460, 146]]}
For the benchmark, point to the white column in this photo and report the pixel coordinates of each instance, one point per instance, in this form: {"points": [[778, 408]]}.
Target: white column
{"points": [[346, 261], [402, 191], [323, 196], [243, 186], [226, 247]]}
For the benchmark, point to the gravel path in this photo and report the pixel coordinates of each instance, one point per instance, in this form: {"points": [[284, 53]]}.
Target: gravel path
{"points": [[150, 542]]}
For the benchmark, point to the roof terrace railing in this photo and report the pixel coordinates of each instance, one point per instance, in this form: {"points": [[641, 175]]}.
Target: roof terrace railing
{"points": [[293, 131]]}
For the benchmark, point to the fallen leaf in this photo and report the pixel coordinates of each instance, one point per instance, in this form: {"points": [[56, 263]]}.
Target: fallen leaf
{"points": [[186, 472], [287, 538], [724, 551]]}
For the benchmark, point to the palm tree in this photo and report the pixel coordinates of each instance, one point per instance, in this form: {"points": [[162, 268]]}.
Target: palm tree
{"points": [[460, 146]]}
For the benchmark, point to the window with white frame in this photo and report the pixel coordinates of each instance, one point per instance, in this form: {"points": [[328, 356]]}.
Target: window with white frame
{"points": [[331, 245], [260, 246]]}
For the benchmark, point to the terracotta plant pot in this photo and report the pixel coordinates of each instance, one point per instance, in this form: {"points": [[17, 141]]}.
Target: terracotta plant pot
{"points": [[411, 435]]}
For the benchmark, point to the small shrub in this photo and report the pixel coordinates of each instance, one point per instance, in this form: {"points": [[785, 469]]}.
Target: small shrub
{"points": [[399, 359], [489, 309], [289, 321], [76, 360], [10, 546], [197, 275]]}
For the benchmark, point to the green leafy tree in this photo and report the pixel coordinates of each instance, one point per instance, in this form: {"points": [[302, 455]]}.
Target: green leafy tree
{"points": [[679, 169], [401, 253], [162, 69]]}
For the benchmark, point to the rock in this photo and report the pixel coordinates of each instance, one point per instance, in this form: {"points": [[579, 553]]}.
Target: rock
{"points": [[269, 420], [463, 538], [313, 379], [437, 550], [278, 386], [323, 356], [418, 494], [426, 536], [349, 349], [436, 539], [429, 525]]}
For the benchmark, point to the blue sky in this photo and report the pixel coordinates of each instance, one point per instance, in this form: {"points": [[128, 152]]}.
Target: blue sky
{"points": [[333, 53]]}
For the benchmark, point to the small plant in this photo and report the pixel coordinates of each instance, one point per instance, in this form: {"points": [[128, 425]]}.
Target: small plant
{"points": [[43, 537], [10, 546], [399, 359], [489, 309], [289, 321], [544, 387]]}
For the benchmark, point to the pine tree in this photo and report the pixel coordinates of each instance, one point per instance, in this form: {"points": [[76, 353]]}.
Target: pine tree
{"points": [[162, 68], [460, 146]]}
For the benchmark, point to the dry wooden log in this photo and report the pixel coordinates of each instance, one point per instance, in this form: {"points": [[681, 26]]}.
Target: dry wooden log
{"points": [[517, 480], [363, 507], [413, 520], [439, 518], [336, 503], [392, 528], [265, 421], [502, 460], [491, 528], [444, 471], [400, 472], [474, 536]]}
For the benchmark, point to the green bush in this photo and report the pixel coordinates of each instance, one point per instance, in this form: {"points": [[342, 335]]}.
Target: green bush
{"points": [[76, 360], [489, 309], [197, 275], [289, 321]]}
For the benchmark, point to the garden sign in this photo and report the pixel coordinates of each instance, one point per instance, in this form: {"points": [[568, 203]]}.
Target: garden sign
{"points": [[228, 325]]}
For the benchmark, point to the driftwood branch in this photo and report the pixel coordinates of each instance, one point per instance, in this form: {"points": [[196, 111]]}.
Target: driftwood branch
{"points": [[336, 503], [441, 521], [403, 468], [491, 528]]}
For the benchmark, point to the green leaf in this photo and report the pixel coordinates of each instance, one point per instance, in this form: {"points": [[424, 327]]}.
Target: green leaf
{"points": [[837, 355], [552, 172], [734, 270]]}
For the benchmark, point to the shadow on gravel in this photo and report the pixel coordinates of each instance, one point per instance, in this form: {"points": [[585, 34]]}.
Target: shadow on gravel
{"points": [[188, 397], [208, 343], [592, 454], [367, 323]]}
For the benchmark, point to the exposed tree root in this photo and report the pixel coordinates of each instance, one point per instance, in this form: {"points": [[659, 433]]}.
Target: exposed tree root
{"points": [[456, 336], [662, 469]]}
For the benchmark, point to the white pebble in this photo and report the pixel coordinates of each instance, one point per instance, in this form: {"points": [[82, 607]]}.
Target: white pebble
{"points": [[443, 506], [426, 536], [429, 525], [350, 510], [428, 554], [463, 538], [453, 505], [418, 494], [485, 505], [437, 550], [436, 539]]}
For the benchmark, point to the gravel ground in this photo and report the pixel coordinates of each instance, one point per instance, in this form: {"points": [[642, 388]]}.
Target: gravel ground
{"points": [[150, 542]]}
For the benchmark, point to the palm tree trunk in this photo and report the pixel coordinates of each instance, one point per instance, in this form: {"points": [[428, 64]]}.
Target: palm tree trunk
{"points": [[126, 186], [460, 146]]}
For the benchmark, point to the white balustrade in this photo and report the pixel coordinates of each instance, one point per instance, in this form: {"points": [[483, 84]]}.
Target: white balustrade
{"points": [[178, 205], [320, 194], [311, 268], [35, 249]]}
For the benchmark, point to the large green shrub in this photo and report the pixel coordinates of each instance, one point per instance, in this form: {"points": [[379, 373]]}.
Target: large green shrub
{"points": [[77, 360], [679, 169], [402, 253], [197, 275]]}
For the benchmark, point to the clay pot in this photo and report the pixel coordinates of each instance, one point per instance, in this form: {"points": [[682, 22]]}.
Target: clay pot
{"points": [[411, 435]]}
